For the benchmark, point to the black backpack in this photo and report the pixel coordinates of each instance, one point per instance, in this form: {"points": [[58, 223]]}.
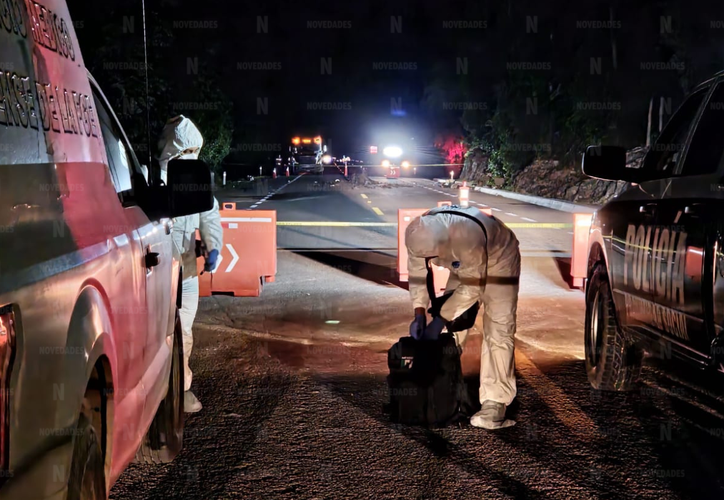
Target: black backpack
{"points": [[426, 383]]}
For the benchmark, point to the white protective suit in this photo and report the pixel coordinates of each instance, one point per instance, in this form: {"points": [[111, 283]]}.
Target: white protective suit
{"points": [[180, 135], [459, 244]]}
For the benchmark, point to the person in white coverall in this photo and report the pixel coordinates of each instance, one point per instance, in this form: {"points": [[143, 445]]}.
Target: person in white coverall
{"points": [[483, 270], [181, 139]]}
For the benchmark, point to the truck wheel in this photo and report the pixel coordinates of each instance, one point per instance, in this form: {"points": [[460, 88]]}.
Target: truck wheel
{"points": [[87, 474], [613, 362], [164, 438]]}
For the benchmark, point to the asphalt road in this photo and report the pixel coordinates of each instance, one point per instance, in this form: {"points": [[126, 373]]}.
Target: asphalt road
{"points": [[293, 382]]}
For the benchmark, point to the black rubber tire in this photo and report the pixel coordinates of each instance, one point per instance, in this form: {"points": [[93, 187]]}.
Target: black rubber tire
{"points": [[87, 479], [613, 361], [164, 438]]}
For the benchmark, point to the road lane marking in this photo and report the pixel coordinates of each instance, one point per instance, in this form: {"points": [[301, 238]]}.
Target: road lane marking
{"points": [[511, 214], [377, 211], [496, 209], [363, 196], [336, 224], [516, 225], [529, 220]]}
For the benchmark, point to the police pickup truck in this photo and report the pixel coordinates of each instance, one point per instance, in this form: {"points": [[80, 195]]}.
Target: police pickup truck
{"points": [[91, 358], [655, 260]]}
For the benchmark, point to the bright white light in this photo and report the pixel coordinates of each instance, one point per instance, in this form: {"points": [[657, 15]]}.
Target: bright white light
{"points": [[405, 164], [326, 159], [385, 163], [392, 151]]}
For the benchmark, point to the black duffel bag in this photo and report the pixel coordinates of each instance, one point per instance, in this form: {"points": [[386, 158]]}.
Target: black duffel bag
{"points": [[426, 385]]}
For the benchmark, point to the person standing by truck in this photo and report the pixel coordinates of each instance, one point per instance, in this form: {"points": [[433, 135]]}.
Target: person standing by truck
{"points": [[181, 139]]}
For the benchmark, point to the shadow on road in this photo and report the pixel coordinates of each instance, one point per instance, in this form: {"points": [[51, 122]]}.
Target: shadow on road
{"points": [[375, 266]]}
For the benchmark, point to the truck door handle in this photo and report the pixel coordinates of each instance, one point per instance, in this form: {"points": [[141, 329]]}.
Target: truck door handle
{"points": [[648, 209], [152, 259]]}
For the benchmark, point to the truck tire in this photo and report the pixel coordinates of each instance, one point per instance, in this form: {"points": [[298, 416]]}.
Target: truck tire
{"points": [[87, 479], [613, 361], [164, 438]]}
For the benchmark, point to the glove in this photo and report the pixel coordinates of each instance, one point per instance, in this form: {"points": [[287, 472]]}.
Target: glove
{"points": [[212, 261], [434, 329], [417, 328]]}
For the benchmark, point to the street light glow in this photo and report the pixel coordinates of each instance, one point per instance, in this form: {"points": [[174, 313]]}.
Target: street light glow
{"points": [[392, 151]]}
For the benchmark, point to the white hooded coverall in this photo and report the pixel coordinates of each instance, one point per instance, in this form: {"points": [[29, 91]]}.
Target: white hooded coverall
{"points": [[459, 245], [177, 136]]}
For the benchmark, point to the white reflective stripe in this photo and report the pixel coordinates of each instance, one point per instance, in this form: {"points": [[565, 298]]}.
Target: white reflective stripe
{"points": [[234, 258], [233, 225], [246, 219]]}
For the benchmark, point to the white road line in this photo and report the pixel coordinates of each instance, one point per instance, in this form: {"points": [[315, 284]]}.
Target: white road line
{"points": [[529, 220], [511, 214], [254, 206], [496, 209]]}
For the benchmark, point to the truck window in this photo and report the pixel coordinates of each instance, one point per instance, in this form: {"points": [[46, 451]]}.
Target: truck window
{"points": [[707, 144], [121, 159], [663, 158]]}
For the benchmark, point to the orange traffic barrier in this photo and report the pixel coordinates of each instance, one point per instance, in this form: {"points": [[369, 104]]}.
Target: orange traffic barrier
{"points": [[404, 217], [444, 203], [464, 195], [249, 256], [394, 173], [579, 256]]}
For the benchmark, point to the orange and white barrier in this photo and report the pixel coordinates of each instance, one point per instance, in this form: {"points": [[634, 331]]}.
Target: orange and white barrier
{"points": [[465, 195], [249, 256], [579, 256], [404, 217]]}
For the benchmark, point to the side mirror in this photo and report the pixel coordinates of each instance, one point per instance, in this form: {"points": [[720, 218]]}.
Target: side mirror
{"points": [[189, 187], [608, 163]]}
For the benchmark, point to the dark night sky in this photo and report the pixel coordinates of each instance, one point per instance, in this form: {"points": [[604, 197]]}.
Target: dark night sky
{"points": [[365, 36]]}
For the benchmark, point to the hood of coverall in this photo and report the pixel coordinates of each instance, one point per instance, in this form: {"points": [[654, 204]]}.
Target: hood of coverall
{"points": [[426, 236], [178, 135]]}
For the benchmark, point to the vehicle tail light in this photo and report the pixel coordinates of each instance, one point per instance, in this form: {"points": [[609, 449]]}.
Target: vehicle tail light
{"points": [[295, 140], [307, 141], [7, 355], [317, 140]]}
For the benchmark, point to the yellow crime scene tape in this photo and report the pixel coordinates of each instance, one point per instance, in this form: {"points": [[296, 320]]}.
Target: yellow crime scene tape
{"points": [[519, 225]]}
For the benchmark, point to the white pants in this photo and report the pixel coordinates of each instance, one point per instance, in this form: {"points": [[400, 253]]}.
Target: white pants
{"points": [[187, 314], [497, 362]]}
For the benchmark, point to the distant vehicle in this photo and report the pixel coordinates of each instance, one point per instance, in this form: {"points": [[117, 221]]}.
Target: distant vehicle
{"points": [[655, 264], [91, 356], [308, 154]]}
